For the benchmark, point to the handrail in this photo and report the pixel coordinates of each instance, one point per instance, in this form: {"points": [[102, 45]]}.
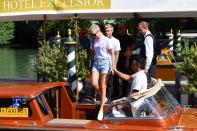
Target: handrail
{"points": [[143, 95]]}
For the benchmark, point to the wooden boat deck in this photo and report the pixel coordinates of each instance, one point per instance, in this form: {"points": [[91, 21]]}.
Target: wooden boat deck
{"points": [[68, 122]]}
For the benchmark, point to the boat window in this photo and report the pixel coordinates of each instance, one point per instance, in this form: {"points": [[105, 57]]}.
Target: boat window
{"points": [[15, 107], [141, 108], [154, 106], [53, 99], [163, 102], [120, 110], [42, 105], [172, 100], [70, 93]]}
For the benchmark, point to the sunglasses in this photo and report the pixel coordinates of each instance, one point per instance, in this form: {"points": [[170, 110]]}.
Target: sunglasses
{"points": [[95, 33]]}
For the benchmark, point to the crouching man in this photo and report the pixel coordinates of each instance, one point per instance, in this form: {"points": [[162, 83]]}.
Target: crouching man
{"points": [[139, 82]]}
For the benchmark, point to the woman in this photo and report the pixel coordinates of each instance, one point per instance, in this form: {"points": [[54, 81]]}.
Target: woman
{"points": [[102, 65]]}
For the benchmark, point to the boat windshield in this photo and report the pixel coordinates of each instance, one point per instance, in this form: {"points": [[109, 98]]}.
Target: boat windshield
{"points": [[158, 105]]}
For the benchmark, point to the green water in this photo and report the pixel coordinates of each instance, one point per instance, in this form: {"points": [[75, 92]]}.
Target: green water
{"points": [[17, 63]]}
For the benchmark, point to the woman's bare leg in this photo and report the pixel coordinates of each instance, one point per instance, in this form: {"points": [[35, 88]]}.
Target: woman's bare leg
{"points": [[103, 86], [95, 79]]}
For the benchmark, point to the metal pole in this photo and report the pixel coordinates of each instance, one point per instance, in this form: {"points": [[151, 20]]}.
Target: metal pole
{"points": [[45, 29], [178, 45], [178, 74], [76, 54]]}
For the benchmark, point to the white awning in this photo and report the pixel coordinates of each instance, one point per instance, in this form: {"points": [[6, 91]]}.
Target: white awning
{"points": [[16, 10]]}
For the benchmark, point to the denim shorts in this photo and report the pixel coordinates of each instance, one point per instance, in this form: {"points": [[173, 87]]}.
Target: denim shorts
{"points": [[102, 65]]}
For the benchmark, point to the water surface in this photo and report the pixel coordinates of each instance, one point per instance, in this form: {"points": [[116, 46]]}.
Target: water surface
{"points": [[17, 63]]}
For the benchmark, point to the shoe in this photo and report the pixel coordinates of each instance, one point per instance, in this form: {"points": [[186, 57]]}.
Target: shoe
{"points": [[94, 99], [100, 116], [98, 102], [106, 100]]}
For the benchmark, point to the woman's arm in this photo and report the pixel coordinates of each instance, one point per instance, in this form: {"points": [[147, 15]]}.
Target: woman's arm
{"points": [[112, 58]]}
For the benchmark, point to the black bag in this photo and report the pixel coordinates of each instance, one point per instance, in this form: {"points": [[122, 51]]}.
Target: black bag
{"points": [[91, 55]]}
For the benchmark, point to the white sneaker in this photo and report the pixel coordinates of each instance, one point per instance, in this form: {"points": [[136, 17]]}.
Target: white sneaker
{"points": [[94, 99], [106, 100], [100, 116]]}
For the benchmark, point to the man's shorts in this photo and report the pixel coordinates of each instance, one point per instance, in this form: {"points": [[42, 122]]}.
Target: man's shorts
{"points": [[102, 65]]}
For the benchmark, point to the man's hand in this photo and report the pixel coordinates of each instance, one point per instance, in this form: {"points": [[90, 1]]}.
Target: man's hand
{"points": [[112, 72], [146, 71]]}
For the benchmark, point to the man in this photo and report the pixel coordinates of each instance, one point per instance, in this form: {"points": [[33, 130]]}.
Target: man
{"points": [[147, 49], [84, 41], [139, 82], [123, 61], [116, 46]]}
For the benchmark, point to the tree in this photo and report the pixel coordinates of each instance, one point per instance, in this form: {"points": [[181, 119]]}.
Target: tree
{"points": [[58, 25], [51, 62], [83, 64], [82, 58], [189, 65], [6, 32]]}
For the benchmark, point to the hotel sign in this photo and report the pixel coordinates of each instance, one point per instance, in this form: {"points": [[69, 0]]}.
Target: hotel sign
{"points": [[14, 6]]}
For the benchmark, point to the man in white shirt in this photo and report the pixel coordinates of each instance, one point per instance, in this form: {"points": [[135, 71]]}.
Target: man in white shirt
{"points": [[139, 83], [116, 46], [147, 49]]}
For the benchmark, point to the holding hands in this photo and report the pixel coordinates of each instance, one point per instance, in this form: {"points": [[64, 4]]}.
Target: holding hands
{"points": [[114, 70]]}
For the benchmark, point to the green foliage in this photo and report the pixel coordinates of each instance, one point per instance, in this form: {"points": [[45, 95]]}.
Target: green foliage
{"points": [[6, 32], [54, 26], [109, 21], [51, 62], [83, 64], [74, 26], [189, 65], [82, 55]]}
